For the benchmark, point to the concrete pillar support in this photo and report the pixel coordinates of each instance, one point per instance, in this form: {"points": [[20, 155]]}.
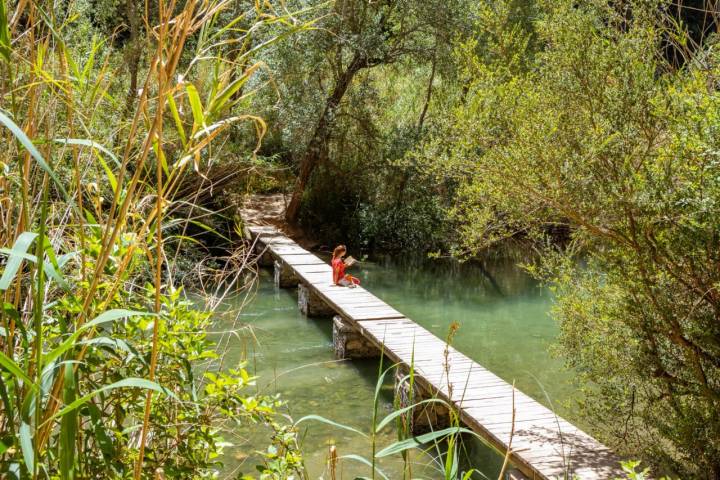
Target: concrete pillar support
{"points": [[266, 259], [284, 276], [311, 304], [349, 343], [425, 417]]}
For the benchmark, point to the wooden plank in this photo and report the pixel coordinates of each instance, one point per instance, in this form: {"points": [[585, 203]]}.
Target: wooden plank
{"points": [[334, 292], [488, 391], [402, 336], [452, 361], [313, 272], [282, 248], [369, 316], [313, 279], [406, 340], [351, 298], [405, 343], [276, 241], [305, 263], [381, 308], [360, 303], [303, 259], [407, 337], [354, 301], [390, 321], [380, 324], [253, 231], [403, 328], [439, 374], [471, 405]]}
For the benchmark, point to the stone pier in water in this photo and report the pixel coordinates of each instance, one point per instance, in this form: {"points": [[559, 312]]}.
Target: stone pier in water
{"points": [[311, 304], [284, 275], [349, 343]]}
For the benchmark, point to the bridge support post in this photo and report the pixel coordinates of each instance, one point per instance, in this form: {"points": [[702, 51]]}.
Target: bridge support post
{"points": [[266, 259], [311, 304], [349, 343], [284, 276], [423, 418]]}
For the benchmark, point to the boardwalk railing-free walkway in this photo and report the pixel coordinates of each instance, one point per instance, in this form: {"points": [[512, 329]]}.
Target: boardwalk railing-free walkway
{"points": [[544, 445]]}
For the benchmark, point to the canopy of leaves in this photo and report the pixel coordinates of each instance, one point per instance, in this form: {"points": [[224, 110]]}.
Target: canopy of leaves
{"points": [[577, 121]]}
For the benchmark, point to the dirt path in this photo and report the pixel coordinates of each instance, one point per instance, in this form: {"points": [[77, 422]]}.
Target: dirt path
{"points": [[269, 209]]}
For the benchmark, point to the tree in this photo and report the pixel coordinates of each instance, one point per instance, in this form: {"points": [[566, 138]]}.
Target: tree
{"points": [[357, 35], [581, 121]]}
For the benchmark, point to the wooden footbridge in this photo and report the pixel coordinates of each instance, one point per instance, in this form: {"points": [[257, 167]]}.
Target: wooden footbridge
{"points": [[542, 445]]}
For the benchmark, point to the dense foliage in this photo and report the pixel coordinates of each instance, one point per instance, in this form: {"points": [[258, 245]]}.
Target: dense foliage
{"points": [[355, 94], [106, 370], [579, 121], [588, 128]]}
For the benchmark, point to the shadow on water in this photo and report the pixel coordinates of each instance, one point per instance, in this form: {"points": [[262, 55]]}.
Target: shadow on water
{"points": [[505, 326]]}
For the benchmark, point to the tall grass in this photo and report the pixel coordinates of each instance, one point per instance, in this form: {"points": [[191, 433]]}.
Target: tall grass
{"points": [[443, 445], [93, 331]]}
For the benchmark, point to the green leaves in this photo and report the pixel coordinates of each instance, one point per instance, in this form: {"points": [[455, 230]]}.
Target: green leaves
{"points": [[26, 445], [365, 461], [390, 417], [70, 384], [68, 426], [220, 101], [5, 47], [613, 140], [420, 440], [97, 149], [196, 106], [14, 369], [321, 419], [105, 317], [176, 118], [112, 315], [68, 414], [126, 383], [101, 434], [16, 255], [30, 147]]}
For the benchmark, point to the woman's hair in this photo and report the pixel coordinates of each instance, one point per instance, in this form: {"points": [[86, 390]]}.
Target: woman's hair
{"points": [[338, 250]]}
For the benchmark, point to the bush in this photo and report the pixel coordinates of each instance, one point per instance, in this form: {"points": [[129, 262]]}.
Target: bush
{"points": [[580, 120]]}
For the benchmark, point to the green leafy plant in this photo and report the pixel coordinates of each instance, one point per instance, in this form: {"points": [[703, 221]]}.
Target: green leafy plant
{"points": [[579, 124], [105, 366]]}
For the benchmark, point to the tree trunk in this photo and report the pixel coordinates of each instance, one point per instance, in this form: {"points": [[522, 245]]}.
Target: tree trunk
{"points": [[428, 95], [317, 148], [406, 172], [133, 53]]}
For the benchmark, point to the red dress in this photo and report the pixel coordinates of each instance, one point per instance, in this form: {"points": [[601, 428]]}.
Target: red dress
{"points": [[338, 267]]}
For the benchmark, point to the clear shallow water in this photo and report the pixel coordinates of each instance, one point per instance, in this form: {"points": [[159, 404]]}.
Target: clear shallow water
{"points": [[504, 325], [503, 315]]}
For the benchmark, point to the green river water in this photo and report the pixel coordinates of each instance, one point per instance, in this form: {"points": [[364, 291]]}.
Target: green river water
{"points": [[504, 325]]}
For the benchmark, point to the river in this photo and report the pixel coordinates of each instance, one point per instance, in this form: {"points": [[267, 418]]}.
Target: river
{"points": [[504, 325]]}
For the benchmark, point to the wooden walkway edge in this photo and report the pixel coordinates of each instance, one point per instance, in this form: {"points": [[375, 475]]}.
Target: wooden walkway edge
{"points": [[544, 445]]}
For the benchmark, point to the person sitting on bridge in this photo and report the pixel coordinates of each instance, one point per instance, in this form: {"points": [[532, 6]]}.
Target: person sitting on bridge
{"points": [[338, 267]]}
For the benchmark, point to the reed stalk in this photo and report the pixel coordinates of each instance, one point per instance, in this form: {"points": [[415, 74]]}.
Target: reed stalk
{"points": [[87, 201]]}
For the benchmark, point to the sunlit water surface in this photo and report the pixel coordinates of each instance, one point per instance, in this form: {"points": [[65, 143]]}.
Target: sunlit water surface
{"points": [[504, 325]]}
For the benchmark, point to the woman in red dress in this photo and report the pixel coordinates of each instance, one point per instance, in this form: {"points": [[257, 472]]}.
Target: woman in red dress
{"points": [[338, 267]]}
